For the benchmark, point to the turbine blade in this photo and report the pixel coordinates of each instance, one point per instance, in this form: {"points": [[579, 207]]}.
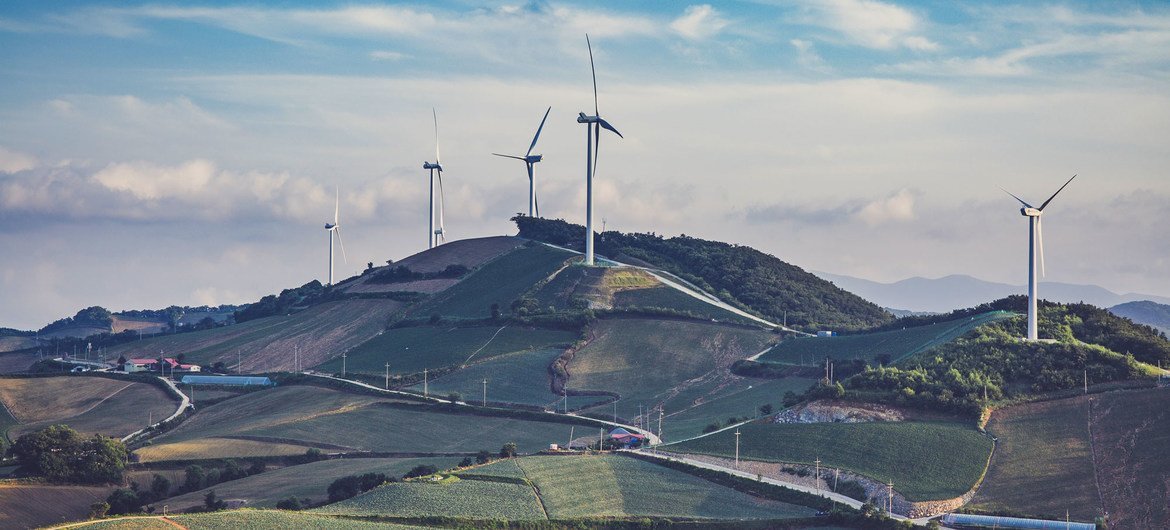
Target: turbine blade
{"points": [[336, 204], [509, 156], [596, 147], [1054, 194], [337, 231], [435, 115], [1040, 243], [442, 202], [1026, 205], [536, 199], [593, 70], [538, 129], [606, 124]]}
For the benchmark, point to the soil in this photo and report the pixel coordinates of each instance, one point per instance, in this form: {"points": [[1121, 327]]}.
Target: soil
{"points": [[825, 411]]}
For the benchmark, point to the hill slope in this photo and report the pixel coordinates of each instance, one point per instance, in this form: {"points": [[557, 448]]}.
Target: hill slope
{"points": [[1145, 312]]}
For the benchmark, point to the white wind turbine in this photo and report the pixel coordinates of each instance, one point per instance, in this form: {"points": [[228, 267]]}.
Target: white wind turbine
{"points": [[1035, 250], [530, 159], [440, 234], [334, 229], [594, 124]]}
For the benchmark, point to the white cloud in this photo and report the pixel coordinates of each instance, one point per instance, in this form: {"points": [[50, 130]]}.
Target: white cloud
{"points": [[896, 207], [807, 56], [871, 23], [699, 22], [387, 55], [13, 161]]}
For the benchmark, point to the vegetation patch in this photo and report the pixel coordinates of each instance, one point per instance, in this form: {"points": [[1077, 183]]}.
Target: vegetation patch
{"points": [[1131, 431], [924, 460], [521, 377], [452, 498]]}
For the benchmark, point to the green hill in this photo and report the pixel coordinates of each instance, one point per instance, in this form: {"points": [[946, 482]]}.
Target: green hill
{"points": [[737, 274]]}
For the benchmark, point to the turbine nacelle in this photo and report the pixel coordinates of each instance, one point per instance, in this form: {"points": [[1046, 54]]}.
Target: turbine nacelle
{"points": [[330, 226], [1030, 212], [582, 118], [532, 159], [428, 165]]}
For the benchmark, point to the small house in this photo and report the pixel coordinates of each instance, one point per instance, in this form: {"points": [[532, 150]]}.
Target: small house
{"points": [[625, 439]]}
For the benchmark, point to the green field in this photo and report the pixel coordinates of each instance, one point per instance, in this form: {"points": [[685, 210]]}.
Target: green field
{"points": [[567, 487], [1043, 464], [671, 298], [500, 281], [307, 416], [925, 460], [245, 519], [616, 485], [452, 497], [305, 481], [410, 350], [896, 344], [741, 398], [649, 361], [520, 377]]}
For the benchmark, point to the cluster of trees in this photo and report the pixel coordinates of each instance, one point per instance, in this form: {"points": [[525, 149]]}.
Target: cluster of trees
{"points": [[96, 316], [270, 305], [402, 274], [196, 477], [350, 486], [738, 274], [60, 454]]}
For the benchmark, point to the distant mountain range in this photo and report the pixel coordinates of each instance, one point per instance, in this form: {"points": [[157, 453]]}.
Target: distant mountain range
{"points": [[1145, 312], [958, 291]]}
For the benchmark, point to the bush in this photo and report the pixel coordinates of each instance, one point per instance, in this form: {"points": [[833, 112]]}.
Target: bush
{"points": [[291, 503], [421, 470], [508, 450], [211, 503]]}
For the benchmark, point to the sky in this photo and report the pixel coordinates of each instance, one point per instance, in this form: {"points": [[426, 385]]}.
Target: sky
{"points": [[188, 153]]}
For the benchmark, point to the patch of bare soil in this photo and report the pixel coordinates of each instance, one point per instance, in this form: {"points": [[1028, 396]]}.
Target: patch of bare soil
{"points": [[825, 411]]}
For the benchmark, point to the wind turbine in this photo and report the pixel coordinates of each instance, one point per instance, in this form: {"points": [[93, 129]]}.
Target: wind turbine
{"points": [[1035, 249], [594, 124], [434, 235], [334, 229], [530, 159]]}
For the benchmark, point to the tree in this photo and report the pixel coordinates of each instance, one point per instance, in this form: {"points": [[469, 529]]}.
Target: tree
{"points": [[98, 510], [421, 470], [291, 503], [466, 462], [508, 450], [122, 501], [483, 457], [195, 476], [765, 409], [344, 488], [211, 503], [61, 454], [160, 486]]}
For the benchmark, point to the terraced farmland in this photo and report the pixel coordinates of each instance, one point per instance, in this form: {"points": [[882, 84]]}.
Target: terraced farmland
{"points": [[649, 361], [892, 345], [925, 460], [410, 350], [319, 333], [500, 281], [1044, 462], [305, 481], [88, 404]]}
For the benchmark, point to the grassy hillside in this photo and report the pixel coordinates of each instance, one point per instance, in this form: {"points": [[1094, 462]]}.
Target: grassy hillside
{"points": [[246, 518], [1043, 464], [305, 481], [90, 405], [266, 344], [474, 499], [500, 281], [1145, 312], [290, 419], [649, 361], [410, 349], [520, 377], [24, 505], [738, 274], [925, 460], [1131, 431], [741, 398], [883, 347]]}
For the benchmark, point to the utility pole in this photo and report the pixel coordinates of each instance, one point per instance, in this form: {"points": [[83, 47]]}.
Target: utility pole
{"points": [[566, 392], [239, 357], [615, 411], [424, 382], [660, 415], [387, 376], [569, 445], [296, 358], [342, 364], [485, 392], [890, 497], [818, 475], [737, 448], [1086, 381], [836, 476]]}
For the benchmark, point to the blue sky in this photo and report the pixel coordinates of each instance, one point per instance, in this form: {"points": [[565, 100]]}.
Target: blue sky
{"points": [[186, 153]]}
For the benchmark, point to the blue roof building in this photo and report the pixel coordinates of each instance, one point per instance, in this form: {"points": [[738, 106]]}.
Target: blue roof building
{"points": [[963, 520], [227, 380]]}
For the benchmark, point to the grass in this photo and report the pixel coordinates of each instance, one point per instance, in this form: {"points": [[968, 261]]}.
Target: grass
{"points": [[925, 460], [896, 344], [742, 398], [500, 281], [90, 405], [666, 297], [305, 481], [319, 333], [451, 498], [25, 505], [520, 377], [648, 361], [289, 419], [615, 485], [1043, 464], [246, 519], [1131, 431], [410, 350]]}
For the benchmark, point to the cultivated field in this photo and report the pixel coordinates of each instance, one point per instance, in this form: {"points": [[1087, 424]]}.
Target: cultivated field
{"points": [[896, 344], [740, 398], [409, 350], [88, 404], [650, 361], [8, 344], [11, 363], [305, 481], [520, 377], [1043, 464], [474, 499], [500, 281], [243, 520], [266, 344], [35, 505], [1131, 434], [925, 460]]}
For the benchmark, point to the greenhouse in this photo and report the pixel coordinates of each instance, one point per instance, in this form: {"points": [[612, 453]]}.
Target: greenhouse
{"points": [[963, 520]]}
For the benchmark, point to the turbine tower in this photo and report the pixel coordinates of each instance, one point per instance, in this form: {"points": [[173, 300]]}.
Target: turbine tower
{"points": [[1035, 250], [530, 159], [334, 229], [594, 124], [434, 235]]}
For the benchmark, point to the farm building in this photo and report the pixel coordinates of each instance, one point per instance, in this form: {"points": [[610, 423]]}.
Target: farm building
{"points": [[167, 365], [963, 520], [227, 380], [626, 439]]}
